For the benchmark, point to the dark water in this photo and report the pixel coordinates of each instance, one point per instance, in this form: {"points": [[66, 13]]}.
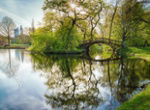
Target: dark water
{"points": [[38, 82]]}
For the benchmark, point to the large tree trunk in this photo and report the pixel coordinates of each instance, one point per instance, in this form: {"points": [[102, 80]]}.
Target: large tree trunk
{"points": [[112, 19]]}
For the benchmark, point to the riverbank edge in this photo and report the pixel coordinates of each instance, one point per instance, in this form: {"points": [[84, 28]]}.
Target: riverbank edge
{"points": [[134, 52], [15, 46], [12, 47], [62, 52], [139, 101], [27, 48], [131, 52]]}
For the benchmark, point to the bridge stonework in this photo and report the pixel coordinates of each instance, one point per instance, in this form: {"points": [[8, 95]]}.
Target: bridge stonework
{"points": [[112, 43]]}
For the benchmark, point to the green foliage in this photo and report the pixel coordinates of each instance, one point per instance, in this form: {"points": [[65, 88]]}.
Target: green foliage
{"points": [[136, 29], [66, 38], [42, 41], [130, 22], [106, 51], [66, 24], [95, 49], [140, 101], [50, 21], [103, 50]]}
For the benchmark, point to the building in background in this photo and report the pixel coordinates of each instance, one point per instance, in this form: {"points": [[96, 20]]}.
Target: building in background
{"points": [[21, 36], [16, 32]]}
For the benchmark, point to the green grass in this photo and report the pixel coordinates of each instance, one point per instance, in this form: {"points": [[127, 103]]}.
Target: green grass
{"points": [[143, 53], [15, 46], [140, 101], [20, 45]]}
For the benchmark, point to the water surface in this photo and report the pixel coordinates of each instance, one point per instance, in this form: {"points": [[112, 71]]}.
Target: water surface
{"points": [[39, 82]]}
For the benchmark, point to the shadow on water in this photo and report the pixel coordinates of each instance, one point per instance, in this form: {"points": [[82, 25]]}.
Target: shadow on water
{"points": [[73, 82]]}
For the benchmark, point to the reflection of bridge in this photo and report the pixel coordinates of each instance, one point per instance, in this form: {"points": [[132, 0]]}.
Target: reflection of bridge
{"points": [[112, 43], [101, 60]]}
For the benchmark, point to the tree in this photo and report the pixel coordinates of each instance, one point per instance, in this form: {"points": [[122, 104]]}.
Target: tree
{"points": [[51, 20], [122, 20], [6, 27], [80, 13], [132, 19], [112, 18]]}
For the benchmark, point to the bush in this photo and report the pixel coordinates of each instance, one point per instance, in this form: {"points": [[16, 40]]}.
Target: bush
{"points": [[66, 38], [42, 41]]}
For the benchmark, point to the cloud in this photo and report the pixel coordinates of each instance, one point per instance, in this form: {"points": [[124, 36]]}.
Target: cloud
{"points": [[22, 11], [16, 18]]}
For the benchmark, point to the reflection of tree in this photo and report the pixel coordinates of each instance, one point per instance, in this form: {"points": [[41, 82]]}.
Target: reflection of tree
{"points": [[8, 68], [19, 54], [9, 65], [124, 76], [130, 75], [73, 83]]}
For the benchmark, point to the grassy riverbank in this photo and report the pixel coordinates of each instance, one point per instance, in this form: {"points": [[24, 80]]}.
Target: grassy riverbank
{"points": [[15, 46], [143, 53], [140, 101]]}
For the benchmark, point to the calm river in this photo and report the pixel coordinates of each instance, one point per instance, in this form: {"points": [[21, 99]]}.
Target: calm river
{"points": [[38, 82]]}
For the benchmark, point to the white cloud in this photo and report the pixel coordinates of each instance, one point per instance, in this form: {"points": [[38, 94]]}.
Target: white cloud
{"points": [[22, 11], [16, 18]]}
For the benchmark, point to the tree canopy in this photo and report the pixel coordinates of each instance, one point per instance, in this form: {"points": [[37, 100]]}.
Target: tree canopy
{"points": [[71, 22]]}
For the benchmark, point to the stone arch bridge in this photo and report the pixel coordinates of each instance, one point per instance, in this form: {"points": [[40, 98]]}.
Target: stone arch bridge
{"points": [[112, 43]]}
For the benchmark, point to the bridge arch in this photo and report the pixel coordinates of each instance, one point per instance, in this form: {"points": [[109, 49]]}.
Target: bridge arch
{"points": [[114, 44]]}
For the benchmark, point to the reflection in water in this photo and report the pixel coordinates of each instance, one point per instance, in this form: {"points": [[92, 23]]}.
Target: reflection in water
{"points": [[85, 83], [67, 82], [19, 55]]}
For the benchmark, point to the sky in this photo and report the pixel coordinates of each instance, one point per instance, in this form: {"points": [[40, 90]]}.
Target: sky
{"points": [[22, 11]]}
